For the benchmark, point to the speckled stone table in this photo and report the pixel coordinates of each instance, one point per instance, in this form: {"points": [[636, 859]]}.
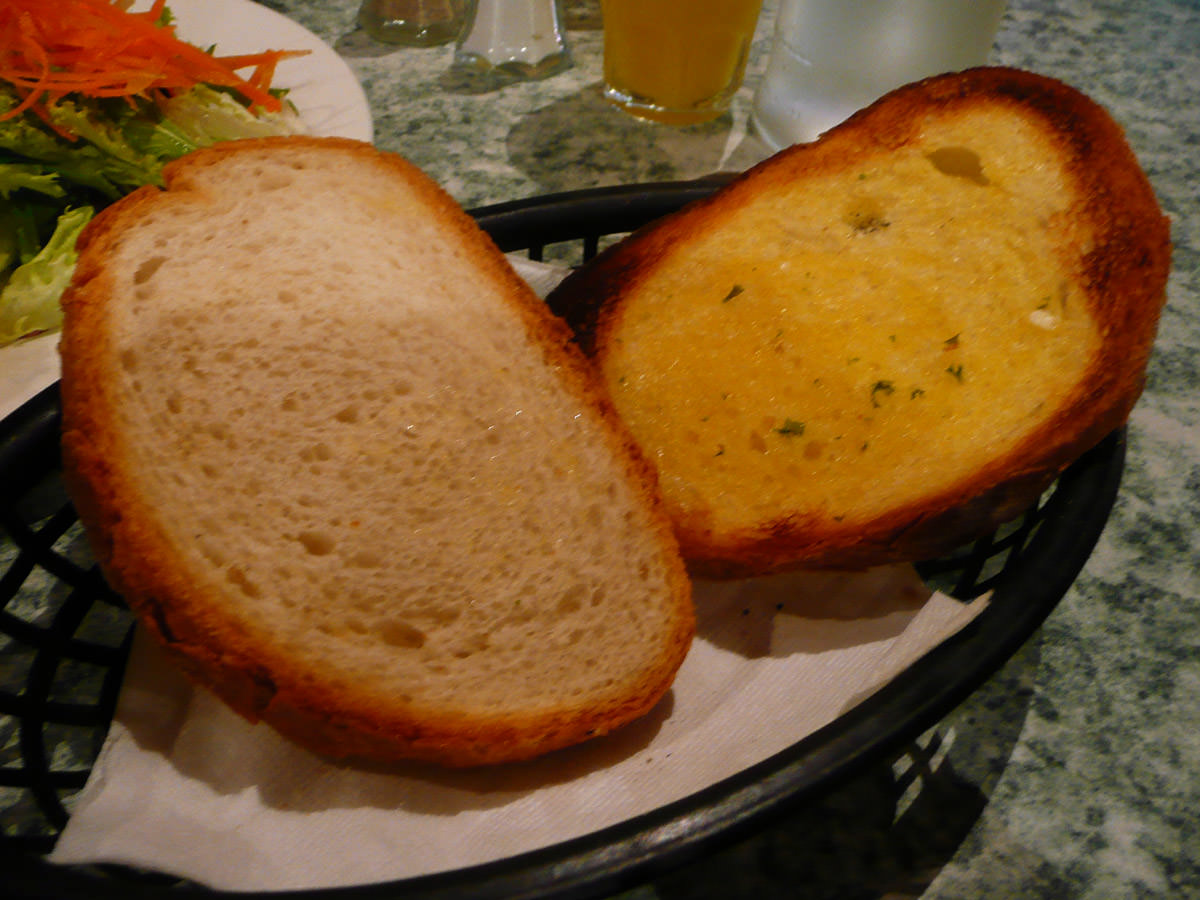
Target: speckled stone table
{"points": [[1075, 771]]}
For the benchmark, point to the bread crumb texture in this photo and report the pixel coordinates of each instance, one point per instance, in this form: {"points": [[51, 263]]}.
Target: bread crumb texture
{"points": [[861, 336], [332, 400]]}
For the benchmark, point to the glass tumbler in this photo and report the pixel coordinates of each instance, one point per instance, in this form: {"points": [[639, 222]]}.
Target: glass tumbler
{"points": [[676, 61], [830, 58]]}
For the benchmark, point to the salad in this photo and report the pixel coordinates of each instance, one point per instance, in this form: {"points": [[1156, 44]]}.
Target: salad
{"points": [[94, 100]]}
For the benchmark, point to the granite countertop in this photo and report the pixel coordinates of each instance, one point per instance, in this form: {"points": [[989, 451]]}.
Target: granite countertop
{"points": [[1075, 771]]}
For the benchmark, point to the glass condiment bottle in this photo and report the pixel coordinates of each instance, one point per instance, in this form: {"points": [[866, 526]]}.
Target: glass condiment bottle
{"points": [[413, 23]]}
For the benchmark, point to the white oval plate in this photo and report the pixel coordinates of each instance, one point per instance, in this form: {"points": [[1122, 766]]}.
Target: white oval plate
{"points": [[323, 88]]}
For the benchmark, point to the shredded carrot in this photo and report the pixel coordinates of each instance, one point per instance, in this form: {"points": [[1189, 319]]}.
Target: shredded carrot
{"points": [[51, 48]]}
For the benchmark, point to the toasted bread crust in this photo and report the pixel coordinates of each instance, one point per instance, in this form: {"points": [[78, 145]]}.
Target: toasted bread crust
{"points": [[1122, 273], [242, 663]]}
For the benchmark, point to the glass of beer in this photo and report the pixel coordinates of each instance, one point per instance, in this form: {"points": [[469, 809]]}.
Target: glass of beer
{"points": [[676, 61]]}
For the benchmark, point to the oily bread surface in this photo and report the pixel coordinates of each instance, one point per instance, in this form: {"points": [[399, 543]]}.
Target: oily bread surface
{"points": [[876, 346], [351, 473]]}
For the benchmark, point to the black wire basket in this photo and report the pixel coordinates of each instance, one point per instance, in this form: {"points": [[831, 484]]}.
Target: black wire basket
{"points": [[62, 655]]}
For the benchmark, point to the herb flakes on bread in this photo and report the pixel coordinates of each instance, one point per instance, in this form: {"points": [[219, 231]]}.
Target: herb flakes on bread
{"points": [[349, 470], [879, 345]]}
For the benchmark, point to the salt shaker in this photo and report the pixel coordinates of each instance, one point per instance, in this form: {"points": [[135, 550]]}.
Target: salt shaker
{"points": [[413, 23], [513, 38]]}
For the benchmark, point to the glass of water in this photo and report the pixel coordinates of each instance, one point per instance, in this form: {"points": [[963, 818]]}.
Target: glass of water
{"points": [[830, 58]]}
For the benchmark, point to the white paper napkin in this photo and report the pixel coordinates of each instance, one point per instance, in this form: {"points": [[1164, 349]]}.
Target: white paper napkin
{"points": [[184, 786], [27, 367]]}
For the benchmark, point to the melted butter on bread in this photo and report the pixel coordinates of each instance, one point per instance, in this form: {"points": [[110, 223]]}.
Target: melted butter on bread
{"points": [[867, 307]]}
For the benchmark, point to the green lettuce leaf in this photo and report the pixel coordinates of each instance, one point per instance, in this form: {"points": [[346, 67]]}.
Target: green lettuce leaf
{"points": [[29, 301], [29, 177], [103, 142], [206, 115], [10, 246]]}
